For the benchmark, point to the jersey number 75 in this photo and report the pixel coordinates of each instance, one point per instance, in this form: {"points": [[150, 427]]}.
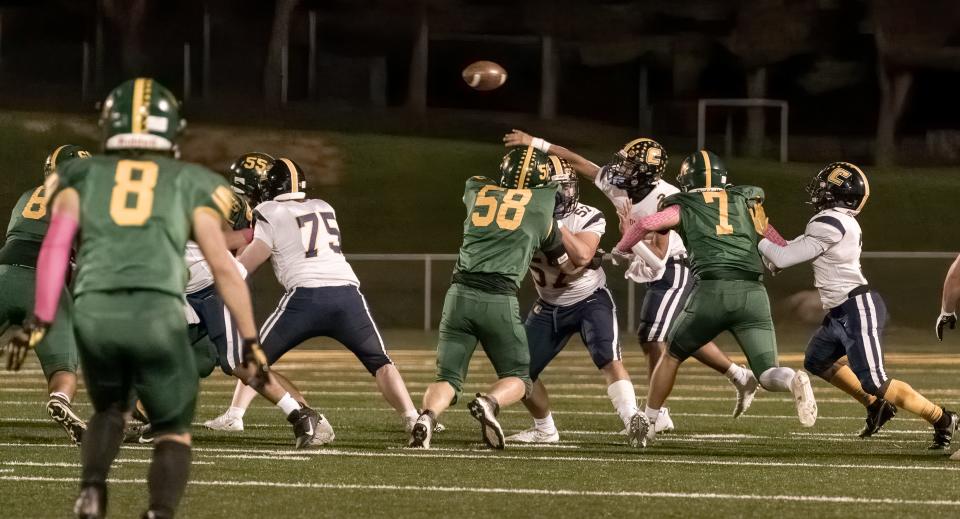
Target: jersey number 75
{"points": [[310, 232]]}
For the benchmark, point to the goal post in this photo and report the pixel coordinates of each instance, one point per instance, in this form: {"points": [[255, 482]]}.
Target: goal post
{"points": [[783, 106]]}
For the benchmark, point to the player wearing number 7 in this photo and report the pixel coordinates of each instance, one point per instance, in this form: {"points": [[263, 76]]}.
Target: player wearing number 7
{"points": [[300, 236], [507, 221], [721, 225]]}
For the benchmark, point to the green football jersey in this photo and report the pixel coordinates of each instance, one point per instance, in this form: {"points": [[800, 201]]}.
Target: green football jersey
{"points": [[717, 229], [28, 225], [135, 218], [504, 227]]}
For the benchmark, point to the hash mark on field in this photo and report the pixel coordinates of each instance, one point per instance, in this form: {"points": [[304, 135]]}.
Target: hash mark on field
{"points": [[526, 491]]}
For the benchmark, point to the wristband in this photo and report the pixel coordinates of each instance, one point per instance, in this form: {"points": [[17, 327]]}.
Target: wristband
{"points": [[540, 144]]}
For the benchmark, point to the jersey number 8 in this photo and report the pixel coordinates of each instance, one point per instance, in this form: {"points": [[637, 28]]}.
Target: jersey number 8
{"points": [[310, 230], [131, 201], [515, 199]]}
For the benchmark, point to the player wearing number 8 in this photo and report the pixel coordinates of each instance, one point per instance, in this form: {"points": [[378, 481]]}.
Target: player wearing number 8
{"points": [[506, 222], [720, 225]]}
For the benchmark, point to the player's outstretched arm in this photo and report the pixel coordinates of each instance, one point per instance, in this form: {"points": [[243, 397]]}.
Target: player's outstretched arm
{"points": [[949, 299], [51, 275], [580, 164], [256, 254], [661, 221]]}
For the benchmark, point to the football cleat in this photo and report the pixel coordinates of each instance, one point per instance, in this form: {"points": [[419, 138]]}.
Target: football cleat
{"points": [[942, 437], [324, 433], [146, 434], [534, 435], [878, 413], [639, 431], [61, 412], [803, 399], [225, 422], [422, 432], [91, 503], [485, 410], [304, 423], [664, 423], [745, 393]]}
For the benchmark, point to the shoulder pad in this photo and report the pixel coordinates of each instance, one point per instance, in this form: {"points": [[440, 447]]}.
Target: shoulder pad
{"points": [[674, 199], [749, 192], [830, 221]]}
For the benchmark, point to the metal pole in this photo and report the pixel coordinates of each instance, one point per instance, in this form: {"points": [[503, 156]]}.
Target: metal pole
{"points": [[85, 74], [1, 35], [283, 75], [186, 71], [701, 124], [784, 115], [631, 304], [427, 291], [312, 57], [206, 52], [98, 50]]}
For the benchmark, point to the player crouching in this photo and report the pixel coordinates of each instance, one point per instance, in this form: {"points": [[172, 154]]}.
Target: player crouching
{"points": [[856, 313]]}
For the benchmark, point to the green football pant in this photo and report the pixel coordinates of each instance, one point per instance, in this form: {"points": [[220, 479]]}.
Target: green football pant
{"points": [[58, 349], [471, 315], [136, 341], [740, 307]]}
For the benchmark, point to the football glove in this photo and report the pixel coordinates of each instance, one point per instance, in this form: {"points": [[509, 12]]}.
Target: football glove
{"points": [[620, 257], [25, 340], [253, 354], [944, 320], [759, 217]]}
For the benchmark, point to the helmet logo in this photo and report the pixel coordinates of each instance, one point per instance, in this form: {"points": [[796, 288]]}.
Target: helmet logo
{"points": [[544, 171], [83, 154], [653, 156], [256, 163], [837, 176]]}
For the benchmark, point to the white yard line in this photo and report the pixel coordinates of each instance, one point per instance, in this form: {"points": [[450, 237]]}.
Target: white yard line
{"points": [[528, 491]]}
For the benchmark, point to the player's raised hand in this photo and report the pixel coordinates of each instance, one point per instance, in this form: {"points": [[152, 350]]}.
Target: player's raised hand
{"points": [[253, 354], [517, 138], [945, 319], [23, 341]]}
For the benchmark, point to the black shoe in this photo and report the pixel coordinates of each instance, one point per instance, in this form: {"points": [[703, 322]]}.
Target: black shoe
{"points": [[485, 410], [60, 410], [92, 503], [942, 436], [304, 423], [422, 431], [878, 413]]}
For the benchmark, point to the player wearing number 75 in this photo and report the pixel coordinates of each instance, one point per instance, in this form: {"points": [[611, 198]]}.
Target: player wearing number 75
{"points": [[302, 239], [720, 225], [506, 222]]}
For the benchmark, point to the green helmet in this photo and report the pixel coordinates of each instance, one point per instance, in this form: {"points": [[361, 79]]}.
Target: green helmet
{"points": [[61, 155], [524, 167], [702, 170], [141, 114]]}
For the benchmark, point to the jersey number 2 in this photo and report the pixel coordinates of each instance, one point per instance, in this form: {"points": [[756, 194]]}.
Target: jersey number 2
{"points": [[515, 199], [724, 226], [309, 235], [131, 201]]}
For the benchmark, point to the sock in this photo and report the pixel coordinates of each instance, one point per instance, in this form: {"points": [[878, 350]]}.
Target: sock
{"points": [[845, 380], [903, 396], [101, 443], [624, 400], [411, 415], [737, 375], [238, 412], [168, 475], [545, 424], [777, 379], [60, 394], [287, 404], [652, 415]]}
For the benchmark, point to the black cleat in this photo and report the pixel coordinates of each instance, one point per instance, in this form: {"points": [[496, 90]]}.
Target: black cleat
{"points": [[92, 503], [62, 413], [485, 410], [304, 423], [878, 413], [942, 436]]}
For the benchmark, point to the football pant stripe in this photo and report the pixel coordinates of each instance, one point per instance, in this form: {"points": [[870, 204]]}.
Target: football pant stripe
{"points": [[275, 316], [865, 340], [874, 335], [373, 323], [617, 353], [673, 302], [664, 303]]}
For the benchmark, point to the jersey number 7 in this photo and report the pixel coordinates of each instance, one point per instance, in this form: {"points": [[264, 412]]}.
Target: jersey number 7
{"points": [[310, 230]]}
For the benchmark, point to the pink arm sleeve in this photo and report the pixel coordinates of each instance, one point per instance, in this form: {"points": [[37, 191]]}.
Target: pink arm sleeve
{"points": [[772, 235], [669, 217], [52, 266]]}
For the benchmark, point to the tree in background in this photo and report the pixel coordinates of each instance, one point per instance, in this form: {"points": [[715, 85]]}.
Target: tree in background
{"points": [[127, 18], [279, 38]]}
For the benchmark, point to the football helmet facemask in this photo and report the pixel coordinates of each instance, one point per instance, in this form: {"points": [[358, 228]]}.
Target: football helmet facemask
{"points": [[839, 184], [637, 167], [524, 167], [285, 180], [568, 194], [248, 172], [61, 155], [141, 114], [702, 170]]}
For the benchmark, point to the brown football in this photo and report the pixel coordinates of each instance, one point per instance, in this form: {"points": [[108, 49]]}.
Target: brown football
{"points": [[484, 75]]}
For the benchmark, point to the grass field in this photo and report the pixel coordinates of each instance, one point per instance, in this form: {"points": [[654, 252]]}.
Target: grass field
{"points": [[761, 465]]}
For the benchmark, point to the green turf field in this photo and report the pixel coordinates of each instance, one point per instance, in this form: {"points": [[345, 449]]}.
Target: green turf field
{"points": [[762, 465]]}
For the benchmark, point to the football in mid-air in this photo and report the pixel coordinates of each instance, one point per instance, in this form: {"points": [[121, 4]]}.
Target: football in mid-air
{"points": [[484, 75]]}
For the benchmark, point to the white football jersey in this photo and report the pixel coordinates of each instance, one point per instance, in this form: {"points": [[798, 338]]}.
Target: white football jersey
{"points": [[200, 275], [561, 289], [305, 240]]}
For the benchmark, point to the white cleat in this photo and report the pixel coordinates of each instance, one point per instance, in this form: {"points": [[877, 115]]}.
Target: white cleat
{"points": [[803, 398], [664, 423], [534, 435], [408, 426], [485, 412], [323, 433], [745, 393], [225, 422], [421, 433], [638, 431]]}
